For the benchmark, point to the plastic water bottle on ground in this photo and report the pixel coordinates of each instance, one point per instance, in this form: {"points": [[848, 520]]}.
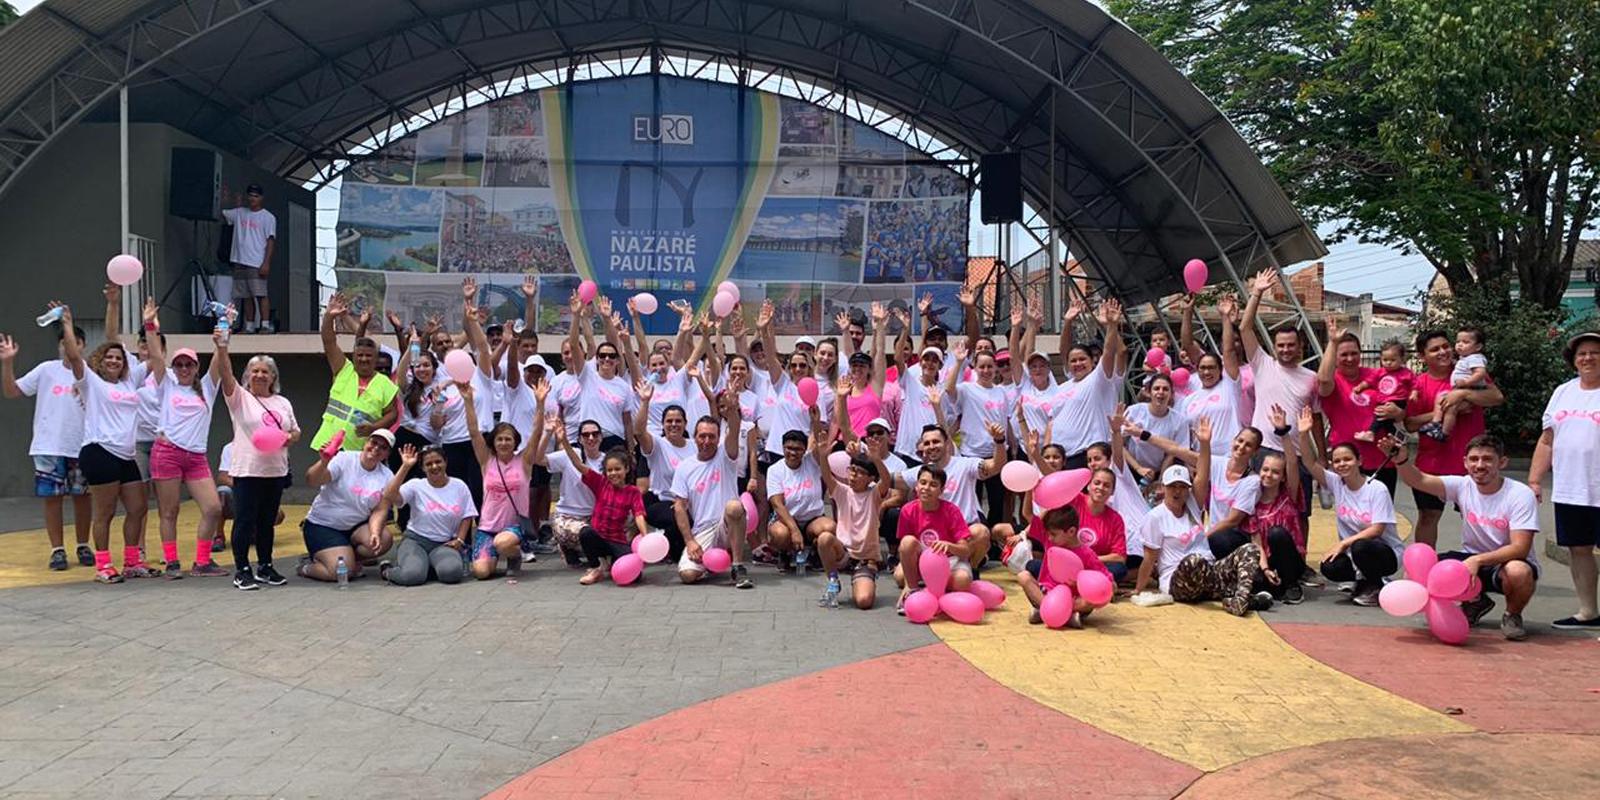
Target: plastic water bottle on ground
{"points": [[50, 317], [341, 572], [830, 592], [800, 560]]}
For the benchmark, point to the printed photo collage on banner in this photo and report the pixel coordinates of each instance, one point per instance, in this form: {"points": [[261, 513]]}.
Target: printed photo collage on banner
{"points": [[793, 202]]}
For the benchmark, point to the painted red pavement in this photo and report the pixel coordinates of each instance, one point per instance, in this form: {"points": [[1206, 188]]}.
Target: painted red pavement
{"points": [[1547, 684], [923, 723]]}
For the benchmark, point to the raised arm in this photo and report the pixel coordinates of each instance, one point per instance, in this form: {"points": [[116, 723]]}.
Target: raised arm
{"points": [[641, 423], [1074, 310], [972, 316], [8, 368], [686, 335], [1202, 467], [338, 306], [475, 334], [578, 311], [847, 345], [641, 344], [1291, 473], [821, 448], [1113, 351], [1228, 307], [157, 355], [730, 415], [841, 409], [480, 448], [880, 359], [1247, 326], [113, 295], [1186, 341], [1308, 454], [769, 344], [408, 459], [1325, 382], [1413, 477], [530, 302], [535, 448], [71, 348]]}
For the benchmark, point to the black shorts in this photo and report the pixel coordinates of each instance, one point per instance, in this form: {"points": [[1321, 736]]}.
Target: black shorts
{"points": [[1488, 576], [322, 537], [100, 467], [1427, 502], [1577, 526]]}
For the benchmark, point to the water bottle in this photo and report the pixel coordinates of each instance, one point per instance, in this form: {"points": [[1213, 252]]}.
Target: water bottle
{"points": [[800, 561], [341, 573], [830, 593], [50, 317], [219, 310], [416, 350]]}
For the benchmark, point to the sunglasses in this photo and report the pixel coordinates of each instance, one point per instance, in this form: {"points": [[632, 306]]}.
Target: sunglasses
{"points": [[606, 356], [877, 433], [589, 434]]}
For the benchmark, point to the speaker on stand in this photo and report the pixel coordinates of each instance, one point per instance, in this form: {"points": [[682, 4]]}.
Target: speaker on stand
{"points": [[194, 192]]}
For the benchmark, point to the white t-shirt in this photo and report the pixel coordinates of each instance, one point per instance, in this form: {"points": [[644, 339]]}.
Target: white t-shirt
{"points": [[1173, 426], [1129, 502], [1289, 387], [454, 430], [1355, 510], [420, 423], [605, 399], [1227, 495], [1083, 410], [916, 412], [251, 230], [1573, 417], [1038, 405], [1465, 365], [1220, 404], [801, 488], [576, 499], [1487, 520], [781, 411], [110, 413], [978, 407], [436, 511], [225, 461], [520, 407], [566, 390], [1177, 537], [664, 458], [58, 412], [185, 415], [960, 486], [708, 486], [674, 391], [149, 417], [350, 497]]}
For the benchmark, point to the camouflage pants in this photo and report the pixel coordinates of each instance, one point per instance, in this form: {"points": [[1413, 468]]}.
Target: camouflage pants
{"points": [[1198, 579]]}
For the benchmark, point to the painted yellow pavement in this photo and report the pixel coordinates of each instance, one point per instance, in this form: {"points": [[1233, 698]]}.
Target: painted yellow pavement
{"points": [[1190, 682], [24, 554]]}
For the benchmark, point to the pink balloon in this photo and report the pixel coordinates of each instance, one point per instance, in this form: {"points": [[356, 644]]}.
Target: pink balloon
{"points": [[891, 374], [1019, 476], [124, 270], [459, 366], [1403, 598], [722, 305], [935, 570], [1419, 560], [839, 464], [963, 607], [646, 303], [716, 559], [921, 606], [1448, 579], [1095, 587], [1155, 358], [807, 389], [1056, 609], [1058, 488], [1063, 563], [1474, 588], [1195, 275], [268, 439], [1447, 621], [626, 569], [731, 288], [750, 518], [992, 596], [652, 547], [587, 291], [633, 544], [1180, 378]]}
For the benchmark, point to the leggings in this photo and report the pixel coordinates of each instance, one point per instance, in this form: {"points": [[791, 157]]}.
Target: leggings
{"points": [[255, 510], [416, 557], [1282, 556], [1366, 562], [461, 461], [1230, 580], [660, 514], [596, 547]]}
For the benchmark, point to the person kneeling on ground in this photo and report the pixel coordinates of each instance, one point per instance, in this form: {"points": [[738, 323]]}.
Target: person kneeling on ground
{"points": [[442, 517], [707, 496], [933, 523], [347, 517], [618, 504], [1499, 520], [1057, 527], [853, 543]]}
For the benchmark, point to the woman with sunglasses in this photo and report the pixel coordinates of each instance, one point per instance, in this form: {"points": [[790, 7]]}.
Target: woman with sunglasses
{"points": [[607, 393], [1214, 389], [505, 486], [575, 507], [178, 457], [419, 391], [664, 452], [346, 520], [258, 475], [862, 388], [440, 522]]}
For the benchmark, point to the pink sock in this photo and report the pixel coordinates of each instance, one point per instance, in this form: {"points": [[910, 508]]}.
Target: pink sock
{"points": [[102, 559], [130, 556], [202, 551], [169, 551]]}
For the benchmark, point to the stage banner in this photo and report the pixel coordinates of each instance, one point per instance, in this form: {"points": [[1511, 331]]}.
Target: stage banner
{"points": [[652, 184]]}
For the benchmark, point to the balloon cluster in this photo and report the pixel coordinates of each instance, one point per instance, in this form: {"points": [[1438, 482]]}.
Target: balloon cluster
{"points": [[1065, 566], [964, 607], [1433, 586], [650, 548]]}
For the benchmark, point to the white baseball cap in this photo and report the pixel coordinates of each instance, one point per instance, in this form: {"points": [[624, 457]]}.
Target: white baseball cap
{"points": [[1175, 474], [806, 340], [535, 360], [937, 353], [880, 422], [385, 434]]}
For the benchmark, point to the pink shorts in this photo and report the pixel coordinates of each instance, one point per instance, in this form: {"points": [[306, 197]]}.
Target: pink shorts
{"points": [[170, 462]]}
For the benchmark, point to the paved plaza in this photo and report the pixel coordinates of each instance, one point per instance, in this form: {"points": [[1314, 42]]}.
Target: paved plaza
{"points": [[549, 689]]}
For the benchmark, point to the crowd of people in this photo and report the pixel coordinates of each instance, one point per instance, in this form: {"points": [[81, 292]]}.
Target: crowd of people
{"points": [[845, 457]]}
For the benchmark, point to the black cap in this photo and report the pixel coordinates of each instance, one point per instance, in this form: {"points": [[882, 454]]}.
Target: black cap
{"points": [[861, 358], [936, 329], [494, 326], [254, 188]]}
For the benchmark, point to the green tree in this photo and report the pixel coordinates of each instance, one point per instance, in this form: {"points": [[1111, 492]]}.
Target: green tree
{"points": [[7, 13], [1465, 130]]}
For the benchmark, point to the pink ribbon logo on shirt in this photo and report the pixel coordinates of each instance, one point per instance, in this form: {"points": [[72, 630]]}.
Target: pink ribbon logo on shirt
{"points": [[1350, 512], [714, 479], [182, 401], [1189, 535], [1087, 537], [1564, 415], [928, 538], [434, 505], [59, 390], [1497, 523], [1387, 385], [116, 396]]}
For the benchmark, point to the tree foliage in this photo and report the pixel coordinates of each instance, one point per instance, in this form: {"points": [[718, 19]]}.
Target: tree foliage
{"points": [[7, 13], [1467, 130]]}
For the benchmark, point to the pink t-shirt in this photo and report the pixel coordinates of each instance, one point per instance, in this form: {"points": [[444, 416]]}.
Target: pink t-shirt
{"points": [[505, 495], [1449, 456], [1347, 417], [943, 523], [1290, 388], [863, 408], [1086, 554], [1390, 385], [857, 520], [248, 412]]}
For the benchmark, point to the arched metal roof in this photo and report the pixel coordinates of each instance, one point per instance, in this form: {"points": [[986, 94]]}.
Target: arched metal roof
{"points": [[1147, 172]]}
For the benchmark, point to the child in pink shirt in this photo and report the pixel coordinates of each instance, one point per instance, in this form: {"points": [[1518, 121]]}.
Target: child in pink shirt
{"points": [[933, 523], [1059, 527], [1390, 383]]}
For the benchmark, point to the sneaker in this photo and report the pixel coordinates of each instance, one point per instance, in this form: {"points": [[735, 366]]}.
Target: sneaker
{"points": [[251, 327], [269, 576], [245, 580], [173, 571], [1294, 595], [383, 569], [545, 547], [1075, 621], [1034, 618], [900, 602], [85, 556], [1434, 431], [528, 555], [138, 569], [266, 327], [1368, 596], [592, 577], [208, 570], [1261, 601], [58, 559], [764, 555], [219, 543], [741, 577], [107, 575], [1511, 627], [1475, 609], [1574, 624], [1310, 580]]}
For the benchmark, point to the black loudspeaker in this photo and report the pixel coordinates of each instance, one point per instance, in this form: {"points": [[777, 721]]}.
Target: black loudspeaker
{"points": [[196, 184], [1000, 176]]}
